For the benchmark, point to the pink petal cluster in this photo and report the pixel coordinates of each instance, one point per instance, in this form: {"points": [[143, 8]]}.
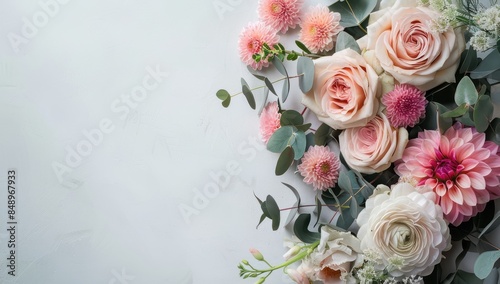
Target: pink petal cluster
{"points": [[405, 105], [251, 41], [269, 121], [460, 166], [319, 29], [320, 167], [280, 14]]}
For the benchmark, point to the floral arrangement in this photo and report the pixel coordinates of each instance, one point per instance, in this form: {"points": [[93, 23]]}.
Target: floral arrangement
{"points": [[406, 153]]}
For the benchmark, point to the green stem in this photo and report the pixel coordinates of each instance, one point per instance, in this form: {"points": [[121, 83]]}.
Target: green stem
{"points": [[354, 16], [260, 87]]}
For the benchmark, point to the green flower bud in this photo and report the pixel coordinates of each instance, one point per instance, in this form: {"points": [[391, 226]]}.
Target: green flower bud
{"points": [[258, 256]]}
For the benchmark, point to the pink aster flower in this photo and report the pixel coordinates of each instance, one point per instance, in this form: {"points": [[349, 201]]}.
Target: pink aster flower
{"points": [[251, 41], [269, 121], [460, 166], [320, 167], [319, 29], [280, 14], [405, 105]]}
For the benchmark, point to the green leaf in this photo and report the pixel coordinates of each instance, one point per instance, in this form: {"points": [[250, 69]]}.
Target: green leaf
{"points": [[291, 117], [305, 66], [322, 134], [344, 41], [353, 12], [303, 47], [258, 76], [319, 207], [487, 66], [280, 139], [279, 66], [466, 119], [466, 92], [459, 111], [483, 112], [264, 100], [309, 140], [224, 96], [493, 132], [345, 220], [248, 93], [484, 263], [270, 86], [299, 147], [463, 277], [494, 223], [470, 60], [286, 89], [262, 218], [295, 206], [304, 128], [274, 212], [301, 229], [345, 183], [433, 119], [285, 161]]}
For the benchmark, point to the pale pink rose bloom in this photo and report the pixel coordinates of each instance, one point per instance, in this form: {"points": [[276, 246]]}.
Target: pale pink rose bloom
{"points": [[404, 222], [372, 148], [269, 121], [280, 14], [252, 38], [298, 275], [320, 28], [345, 90], [460, 166], [319, 167], [408, 48], [405, 105]]}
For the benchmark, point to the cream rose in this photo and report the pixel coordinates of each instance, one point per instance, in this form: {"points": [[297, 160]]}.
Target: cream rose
{"points": [[372, 148], [334, 258], [408, 48], [406, 224], [345, 90]]}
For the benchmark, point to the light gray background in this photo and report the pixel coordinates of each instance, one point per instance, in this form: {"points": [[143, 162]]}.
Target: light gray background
{"points": [[114, 216]]}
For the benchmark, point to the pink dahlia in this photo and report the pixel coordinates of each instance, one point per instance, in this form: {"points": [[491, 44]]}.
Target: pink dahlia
{"points": [[460, 166], [269, 121], [405, 105], [251, 41], [280, 14], [320, 167], [320, 28]]}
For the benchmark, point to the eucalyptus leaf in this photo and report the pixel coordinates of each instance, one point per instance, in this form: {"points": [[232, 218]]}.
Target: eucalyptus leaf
{"points": [[295, 206], [301, 229], [353, 12], [304, 128], [224, 96], [487, 66], [433, 119], [483, 112], [278, 64], [345, 220], [291, 117], [344, 41], [285, 89], [284, 161], [463, 277], [262, 218], [252, 71], [493, 132], [484, 263], [264, 101], [322, 134], [270, 86], [345, 183], [466, 118], [248, 93], [274, 212], [494, 223], [459, 111], [319, 206], [309, 140], [303, 47], [466, 92], [470, 60], [305, 68], [281, 138], [226, 102], [299, 147]]}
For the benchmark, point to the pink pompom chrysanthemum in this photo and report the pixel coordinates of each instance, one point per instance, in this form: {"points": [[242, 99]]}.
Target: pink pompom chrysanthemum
{"points": [[460, 166], [269, 121], [320, 167], [280, 14], [405, 105], [251, 41], [320, 28]]}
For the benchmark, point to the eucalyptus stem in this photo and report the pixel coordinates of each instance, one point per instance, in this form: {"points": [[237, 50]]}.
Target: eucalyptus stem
{"points": [[354, 15], [276, 81]]}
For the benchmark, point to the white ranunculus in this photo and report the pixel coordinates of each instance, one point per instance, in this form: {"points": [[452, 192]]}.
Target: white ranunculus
{"points": [[334, 258], [406, 224]]}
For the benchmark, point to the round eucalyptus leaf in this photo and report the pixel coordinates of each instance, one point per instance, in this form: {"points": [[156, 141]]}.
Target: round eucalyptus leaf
{"points": [[284, 161], [305, 66], [484, 263], [353, 12], [280, 139], [299, 147], [274, 212], [483, 112], [344, 41], [466, 92]]}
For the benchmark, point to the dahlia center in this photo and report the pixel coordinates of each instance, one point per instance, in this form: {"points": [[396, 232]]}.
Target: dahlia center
{"points": [[324, 168], [276, 8], [446, 169]]}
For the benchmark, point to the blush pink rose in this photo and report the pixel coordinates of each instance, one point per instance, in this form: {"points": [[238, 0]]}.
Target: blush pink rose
{"points": [[345, 90], [372, 148], [407, 46]]}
